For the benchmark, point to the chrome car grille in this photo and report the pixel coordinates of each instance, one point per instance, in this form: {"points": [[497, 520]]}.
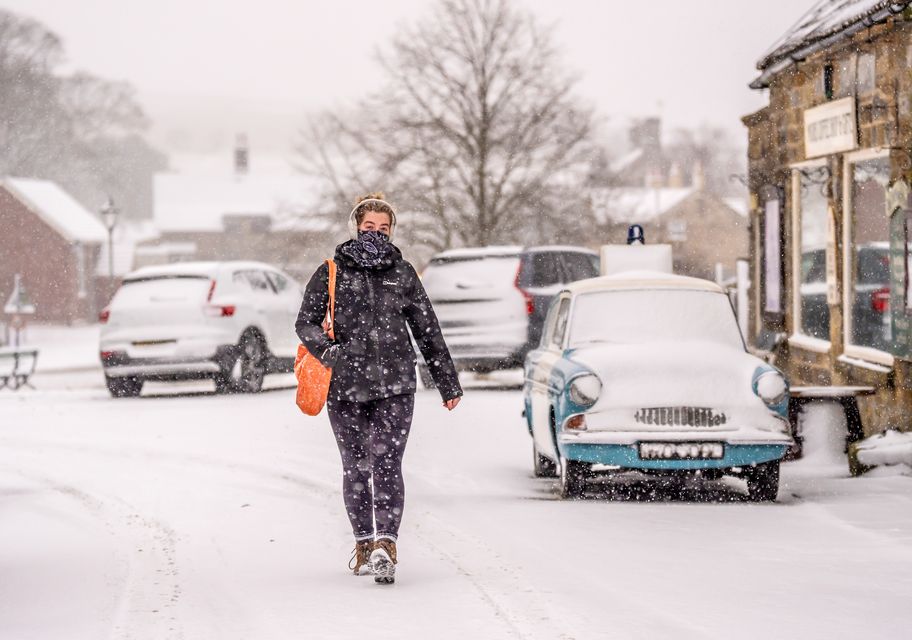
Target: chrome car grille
{"points": [[681, 416]]}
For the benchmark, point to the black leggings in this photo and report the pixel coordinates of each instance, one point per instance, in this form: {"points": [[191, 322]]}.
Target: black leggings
{"points": [[371, 438]]}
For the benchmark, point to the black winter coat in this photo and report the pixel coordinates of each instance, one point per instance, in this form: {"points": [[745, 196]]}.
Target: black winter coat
{"points": [[373, 308]]}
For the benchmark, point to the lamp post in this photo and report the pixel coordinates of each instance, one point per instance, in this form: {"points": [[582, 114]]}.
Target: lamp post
{"points": [[109, 213]]}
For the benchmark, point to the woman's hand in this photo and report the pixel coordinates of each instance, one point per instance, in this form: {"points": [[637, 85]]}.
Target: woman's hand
{"points": [[451, 403]]}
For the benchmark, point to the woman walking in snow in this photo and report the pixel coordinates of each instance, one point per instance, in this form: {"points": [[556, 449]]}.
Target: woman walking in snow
{"points": [[372, 392]]}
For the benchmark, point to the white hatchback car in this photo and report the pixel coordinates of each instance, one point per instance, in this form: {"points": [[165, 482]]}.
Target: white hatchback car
{"points": [[229, 321]]}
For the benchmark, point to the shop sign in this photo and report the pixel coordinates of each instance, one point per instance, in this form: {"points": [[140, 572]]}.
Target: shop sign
{"points": [[830, 128]]}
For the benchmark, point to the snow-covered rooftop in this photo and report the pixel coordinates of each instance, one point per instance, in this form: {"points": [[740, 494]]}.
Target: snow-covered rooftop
{"points": [[636, 204], [58, 209], [201, 203], [824, 19]]}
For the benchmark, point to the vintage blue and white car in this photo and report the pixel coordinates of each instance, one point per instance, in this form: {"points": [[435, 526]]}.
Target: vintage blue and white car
{"points": [[648, 371]]}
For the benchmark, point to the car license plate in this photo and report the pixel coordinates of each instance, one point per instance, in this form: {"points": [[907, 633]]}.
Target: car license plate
{"points": [[681, 451]]}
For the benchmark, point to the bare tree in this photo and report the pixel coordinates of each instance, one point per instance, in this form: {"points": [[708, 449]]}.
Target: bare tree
{"points": [[79, 130], [476, 127]]}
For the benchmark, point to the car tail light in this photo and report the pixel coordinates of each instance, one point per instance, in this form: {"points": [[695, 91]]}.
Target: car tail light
{"points": [[104, 315], [211, 291], [880, 300], [530, 301], [220, 310]]}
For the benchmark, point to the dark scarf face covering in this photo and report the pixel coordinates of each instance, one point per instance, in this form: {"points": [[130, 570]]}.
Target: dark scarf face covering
{"points": [[371, 249]]}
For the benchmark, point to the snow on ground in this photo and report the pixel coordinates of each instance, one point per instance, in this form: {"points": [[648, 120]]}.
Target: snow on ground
{"points": [[183, 514]]}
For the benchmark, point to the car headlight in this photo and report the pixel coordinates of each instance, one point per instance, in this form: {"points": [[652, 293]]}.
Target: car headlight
{"points": [[585, 389], [771, 387]]}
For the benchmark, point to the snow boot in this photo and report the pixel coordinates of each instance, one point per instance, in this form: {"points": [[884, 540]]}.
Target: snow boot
{"points": [[360, 560], [383, 561]]}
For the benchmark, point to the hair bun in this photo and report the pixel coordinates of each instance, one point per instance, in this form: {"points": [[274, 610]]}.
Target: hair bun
{"points": [[376, 195]]}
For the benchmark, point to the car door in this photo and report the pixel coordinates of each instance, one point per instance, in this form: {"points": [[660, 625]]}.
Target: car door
{"points": [[260, 298], [539, 377], [288, 303]]}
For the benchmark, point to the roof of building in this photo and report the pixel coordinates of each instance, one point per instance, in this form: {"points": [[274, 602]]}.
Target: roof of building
{"points": [[58, 209], [825, 22], [637, 280], [636, 204], [191, 203]]}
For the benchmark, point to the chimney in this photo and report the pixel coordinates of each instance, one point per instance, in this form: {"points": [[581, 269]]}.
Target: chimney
{"points": [[241, 155]]}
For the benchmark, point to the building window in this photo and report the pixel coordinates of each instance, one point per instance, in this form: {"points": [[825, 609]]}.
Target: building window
{"points": [[677, 230], [864, 76], [81, 280], [867, 253], [810, 209], [828, 81], [908, 261], [772, 251]]}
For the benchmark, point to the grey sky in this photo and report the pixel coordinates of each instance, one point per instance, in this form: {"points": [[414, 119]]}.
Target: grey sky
{"points": [[206, 69]]}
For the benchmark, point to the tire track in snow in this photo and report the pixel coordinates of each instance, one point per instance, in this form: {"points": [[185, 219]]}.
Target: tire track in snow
{"points": [[150, 589]]}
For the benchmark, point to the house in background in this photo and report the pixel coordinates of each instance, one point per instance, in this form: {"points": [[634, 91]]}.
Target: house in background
{"points": [[703, 229], [238, 216], [54, 243]]}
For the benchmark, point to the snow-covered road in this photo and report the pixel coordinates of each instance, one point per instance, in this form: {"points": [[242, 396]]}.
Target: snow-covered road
{"points": [[203, 516]]}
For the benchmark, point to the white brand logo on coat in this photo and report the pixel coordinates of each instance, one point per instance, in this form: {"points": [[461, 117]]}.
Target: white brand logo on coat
{"points": [[388, 282]]}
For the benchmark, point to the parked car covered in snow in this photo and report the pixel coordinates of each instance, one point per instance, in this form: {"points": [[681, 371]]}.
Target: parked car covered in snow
{"points": [[229, 321], [648, 371], [491, 301]]}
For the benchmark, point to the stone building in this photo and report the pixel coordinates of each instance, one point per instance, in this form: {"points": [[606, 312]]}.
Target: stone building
{"points": [[830, 160], [703, 229]]}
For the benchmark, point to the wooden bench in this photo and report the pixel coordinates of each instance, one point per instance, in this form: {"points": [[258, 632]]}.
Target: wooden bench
{"points": [[845, 396], [16, 367]]}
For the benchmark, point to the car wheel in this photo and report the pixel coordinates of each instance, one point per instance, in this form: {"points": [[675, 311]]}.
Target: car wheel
{"points": [[542, 467], [763, 482], [427, 380], [246, 371], [573, 476], [124, 386]]}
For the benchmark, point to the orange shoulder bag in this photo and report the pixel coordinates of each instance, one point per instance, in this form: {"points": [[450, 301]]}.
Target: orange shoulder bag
{"points": [[313, 377]]}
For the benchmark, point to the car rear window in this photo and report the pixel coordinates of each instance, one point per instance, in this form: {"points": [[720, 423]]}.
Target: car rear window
{"points": [[648, 316], [580, 266], [170, 288], [444, 276], [540, 269]]}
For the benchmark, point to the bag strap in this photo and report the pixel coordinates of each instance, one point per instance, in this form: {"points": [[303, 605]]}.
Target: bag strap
{"points": [[331, 265]]}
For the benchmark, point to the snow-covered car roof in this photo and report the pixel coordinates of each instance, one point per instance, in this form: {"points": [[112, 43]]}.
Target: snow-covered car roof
{"points": [[633, 280], [480, 252], [205, 269], [508, 251]]}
